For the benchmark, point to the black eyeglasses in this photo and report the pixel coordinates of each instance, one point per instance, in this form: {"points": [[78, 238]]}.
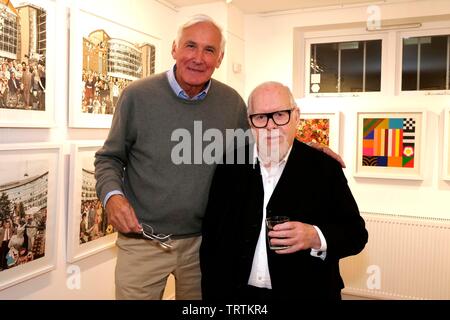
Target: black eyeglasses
{"points": [[280, 118], [163, 239]]}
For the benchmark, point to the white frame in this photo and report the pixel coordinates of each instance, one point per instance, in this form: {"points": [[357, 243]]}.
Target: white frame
{"points": [[40, 152], [10, 118], [415, 173], [360, 36], [75, 250], [399, 69], [446, 150], [78, 23], [334, 122]]}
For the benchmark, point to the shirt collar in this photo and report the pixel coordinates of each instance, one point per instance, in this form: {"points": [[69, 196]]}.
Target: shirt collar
{"points": [[180, 92]]}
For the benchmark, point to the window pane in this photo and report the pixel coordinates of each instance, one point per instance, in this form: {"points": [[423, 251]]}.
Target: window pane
{"points": [[352, 65], [324, 61], [373, 65], [409, 64], [433, 62], [327, 66]]}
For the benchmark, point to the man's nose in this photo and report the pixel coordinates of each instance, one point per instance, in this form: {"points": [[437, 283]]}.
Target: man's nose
{"points": [[198, 56], [271, 124]]}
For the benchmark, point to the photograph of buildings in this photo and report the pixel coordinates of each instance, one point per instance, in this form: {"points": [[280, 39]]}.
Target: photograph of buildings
{"points": [[22, 55], [109, 65], [23, 211]]}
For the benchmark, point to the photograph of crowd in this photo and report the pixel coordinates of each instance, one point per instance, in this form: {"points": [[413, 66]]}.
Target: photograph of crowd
{"points": [[109, 65], [22, 56], [94, 221], [23, 212]]}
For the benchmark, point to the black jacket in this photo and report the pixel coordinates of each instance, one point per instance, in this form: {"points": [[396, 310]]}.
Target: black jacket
{"points": [[313, 190]]}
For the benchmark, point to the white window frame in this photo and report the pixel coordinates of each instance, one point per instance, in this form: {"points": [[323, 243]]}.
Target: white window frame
{"points": [[320, 37], [411, 34]]}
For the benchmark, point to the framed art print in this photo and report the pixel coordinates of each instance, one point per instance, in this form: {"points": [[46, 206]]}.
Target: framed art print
{"points": [[105, 57], [27, 70], [89, 231], [446, 151], [390, 144], [319, 127], [29, 182]]}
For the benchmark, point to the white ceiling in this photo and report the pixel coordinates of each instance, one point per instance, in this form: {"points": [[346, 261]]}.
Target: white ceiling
{"points": [[265, 6]]}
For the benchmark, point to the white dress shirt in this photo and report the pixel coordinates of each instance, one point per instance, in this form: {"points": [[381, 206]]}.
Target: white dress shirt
{"points": [[260, 275]]}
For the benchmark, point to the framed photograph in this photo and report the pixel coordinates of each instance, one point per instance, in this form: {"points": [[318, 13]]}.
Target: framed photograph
{"points": [[89, 231], [105, 57], [27, 71], [29, 185], [446, 162], [320, 127], [390, 144]]}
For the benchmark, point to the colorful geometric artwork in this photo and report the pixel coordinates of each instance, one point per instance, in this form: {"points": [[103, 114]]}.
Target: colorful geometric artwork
{"points": [[389, 142], [314, 130]]}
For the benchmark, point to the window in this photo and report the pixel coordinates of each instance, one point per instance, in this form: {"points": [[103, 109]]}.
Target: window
{"points": [[425, 63], [352, 66]]}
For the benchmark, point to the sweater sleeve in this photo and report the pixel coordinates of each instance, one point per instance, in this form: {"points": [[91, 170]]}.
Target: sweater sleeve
{"points": [[111, 160]]}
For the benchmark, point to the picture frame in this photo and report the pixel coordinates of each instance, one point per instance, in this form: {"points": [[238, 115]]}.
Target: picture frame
{"points": [[321, 127], [88, 229], [30, 177], [100, 69], [390, 144], [446, 150], [29, 101]]}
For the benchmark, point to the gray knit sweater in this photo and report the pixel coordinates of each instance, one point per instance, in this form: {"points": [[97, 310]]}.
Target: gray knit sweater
{"points": [[136, 156]]}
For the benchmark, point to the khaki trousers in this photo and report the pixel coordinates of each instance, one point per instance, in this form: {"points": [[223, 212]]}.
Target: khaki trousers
{"points": [[143, 267]]}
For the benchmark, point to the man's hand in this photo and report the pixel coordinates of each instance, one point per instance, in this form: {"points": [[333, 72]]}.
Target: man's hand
{"points": [[328, 152], [297, 235], [121, 215]]}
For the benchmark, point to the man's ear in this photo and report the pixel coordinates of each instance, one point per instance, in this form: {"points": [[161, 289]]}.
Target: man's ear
{"points": [[174, 49], [297, 115], [219, 61]]}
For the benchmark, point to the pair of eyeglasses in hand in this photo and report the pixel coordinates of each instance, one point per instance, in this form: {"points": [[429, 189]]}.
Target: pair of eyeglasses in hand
{"points": [[149, 233]]}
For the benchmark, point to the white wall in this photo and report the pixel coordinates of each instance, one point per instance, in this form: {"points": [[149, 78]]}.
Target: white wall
{"points": [[269, 55]]}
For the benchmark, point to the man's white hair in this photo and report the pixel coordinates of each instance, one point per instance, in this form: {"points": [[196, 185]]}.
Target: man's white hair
{"points": [[292, 102], [198, 18]]}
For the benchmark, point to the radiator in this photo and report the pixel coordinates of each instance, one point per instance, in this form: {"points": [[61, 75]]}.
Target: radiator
{"points": [[405, 258]]}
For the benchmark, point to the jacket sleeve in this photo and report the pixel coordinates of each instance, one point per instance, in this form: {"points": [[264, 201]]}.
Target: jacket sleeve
{"points": [[344, 228], [111, 160]]}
